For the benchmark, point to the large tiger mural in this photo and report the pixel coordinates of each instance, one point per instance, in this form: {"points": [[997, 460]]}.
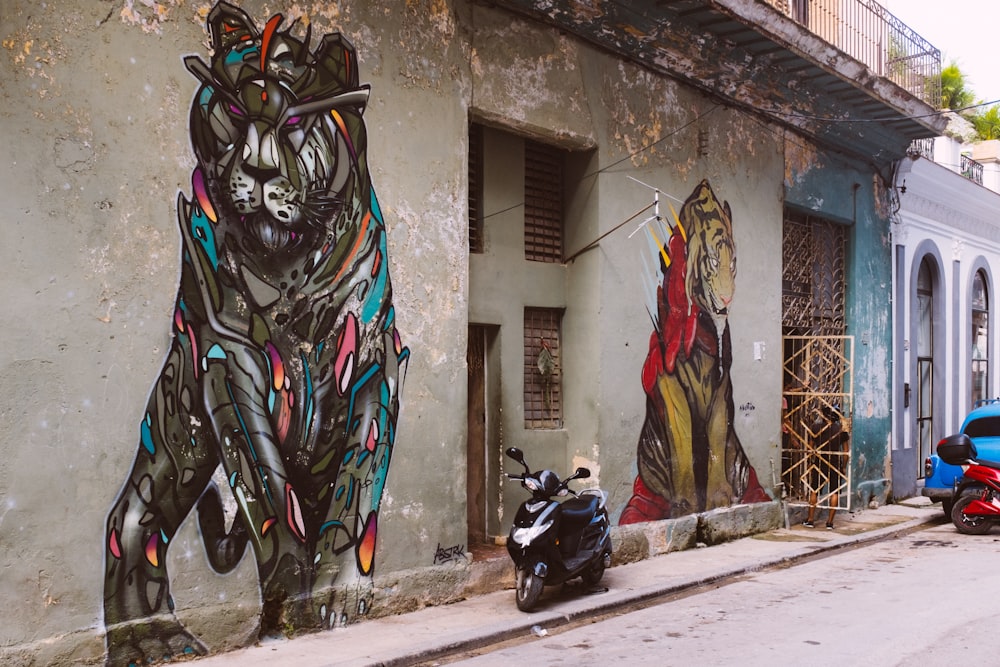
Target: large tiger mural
{"points": [[285, 364], [689, 456]]}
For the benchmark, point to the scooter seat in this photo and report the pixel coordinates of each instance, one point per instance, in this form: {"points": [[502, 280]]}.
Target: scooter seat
{"points": [[989, 464], [579, 511]]}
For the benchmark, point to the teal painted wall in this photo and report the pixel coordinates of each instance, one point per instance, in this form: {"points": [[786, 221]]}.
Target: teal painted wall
{"points": [[828, 189]]}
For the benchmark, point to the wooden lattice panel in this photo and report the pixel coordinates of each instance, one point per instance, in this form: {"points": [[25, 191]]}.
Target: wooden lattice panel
{"points": [[816, 424], [543, 202]]}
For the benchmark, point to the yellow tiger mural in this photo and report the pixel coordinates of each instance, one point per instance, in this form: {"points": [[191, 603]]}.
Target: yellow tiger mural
{"points": [[689, 456]]}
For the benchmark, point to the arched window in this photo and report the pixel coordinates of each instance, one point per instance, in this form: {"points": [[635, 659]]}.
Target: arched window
{"points": [[980, 337], [925, 361]]}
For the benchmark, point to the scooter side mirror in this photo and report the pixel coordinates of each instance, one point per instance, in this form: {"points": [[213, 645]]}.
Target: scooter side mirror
{"points": [[581, 473], [516, 454]]}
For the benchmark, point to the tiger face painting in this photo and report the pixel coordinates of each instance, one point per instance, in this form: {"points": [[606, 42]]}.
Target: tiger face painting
{"points": [[689, 456], [285, 365]]}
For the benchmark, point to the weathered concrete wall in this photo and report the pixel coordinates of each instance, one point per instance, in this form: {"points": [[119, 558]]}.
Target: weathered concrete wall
{"points": [[646, 127], [829, 187], [98, 149], [96, 154], [743, 164]]}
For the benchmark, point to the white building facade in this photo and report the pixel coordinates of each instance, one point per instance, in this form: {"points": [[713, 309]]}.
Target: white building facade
{"points": [[946, 260]]}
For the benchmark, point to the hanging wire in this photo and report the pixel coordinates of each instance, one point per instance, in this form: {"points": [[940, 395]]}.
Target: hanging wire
{"points": [[595, 242], [655, 216]]}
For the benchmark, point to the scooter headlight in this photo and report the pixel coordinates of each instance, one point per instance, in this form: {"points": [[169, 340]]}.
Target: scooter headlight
{"points": [[525, 536], [531, 484]]}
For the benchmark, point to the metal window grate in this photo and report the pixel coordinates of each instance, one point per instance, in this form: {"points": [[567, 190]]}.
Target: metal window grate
{"points": [[971, 169], [475, 188], [922, 147], [543, 202], [813, 281], [542, 368]]}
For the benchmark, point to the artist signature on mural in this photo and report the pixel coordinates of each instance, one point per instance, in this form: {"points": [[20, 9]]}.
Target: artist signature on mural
{"points": [[449, 554]]}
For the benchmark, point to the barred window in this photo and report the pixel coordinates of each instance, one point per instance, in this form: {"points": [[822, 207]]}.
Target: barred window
{"points": [[543, 202], [813, 279], [475, 188], [542, 368]]}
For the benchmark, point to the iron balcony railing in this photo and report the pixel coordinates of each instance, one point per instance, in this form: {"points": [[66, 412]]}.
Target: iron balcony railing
{"points": [[922, 147], [971, 169], [868, 32]]}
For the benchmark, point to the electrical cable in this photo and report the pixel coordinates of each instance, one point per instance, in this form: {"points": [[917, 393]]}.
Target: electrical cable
{"points": [[593, 244], [825, 119]]}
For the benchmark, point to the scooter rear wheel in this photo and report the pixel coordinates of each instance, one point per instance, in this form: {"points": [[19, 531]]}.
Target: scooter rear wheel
{"points": [[593, 574], [968, 525], [528, 589]]}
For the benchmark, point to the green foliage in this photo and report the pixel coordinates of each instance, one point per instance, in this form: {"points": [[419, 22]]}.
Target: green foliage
{"points": [[987, 123], [955, 92], [956, 95]]}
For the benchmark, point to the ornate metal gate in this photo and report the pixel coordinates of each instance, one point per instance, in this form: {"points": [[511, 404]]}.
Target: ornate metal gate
{"points": [[816, 424], [818, 364]]}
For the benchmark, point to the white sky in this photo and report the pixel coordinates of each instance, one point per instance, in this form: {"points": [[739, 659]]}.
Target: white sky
{"points": [[965, 31]]}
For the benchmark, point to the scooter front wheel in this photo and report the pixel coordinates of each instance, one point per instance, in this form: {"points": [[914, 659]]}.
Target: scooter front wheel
{"points": [[528, 589], [968, 525]]}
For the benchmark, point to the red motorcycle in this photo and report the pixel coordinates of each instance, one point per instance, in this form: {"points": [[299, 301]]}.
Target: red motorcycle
{"points": [[977, 497]]}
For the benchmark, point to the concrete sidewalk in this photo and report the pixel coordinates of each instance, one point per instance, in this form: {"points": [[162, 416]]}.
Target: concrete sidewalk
{"points": [[435, 631]]}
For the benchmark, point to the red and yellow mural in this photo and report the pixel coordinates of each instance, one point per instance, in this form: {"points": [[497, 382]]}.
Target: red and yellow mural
{"points": [[689, 456]]}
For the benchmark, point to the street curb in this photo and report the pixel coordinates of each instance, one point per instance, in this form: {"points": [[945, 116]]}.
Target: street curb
{"points": [[552, 619]]}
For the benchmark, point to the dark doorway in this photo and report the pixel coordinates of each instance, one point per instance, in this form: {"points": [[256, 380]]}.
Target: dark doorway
{"points": [[483, 442]]}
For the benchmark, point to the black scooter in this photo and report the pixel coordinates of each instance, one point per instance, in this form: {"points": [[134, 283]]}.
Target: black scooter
{"points": [[553, 541]]}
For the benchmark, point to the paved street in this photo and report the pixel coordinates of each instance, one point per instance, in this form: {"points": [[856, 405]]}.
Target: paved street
{"points": [[904, 601], [435, 633]]}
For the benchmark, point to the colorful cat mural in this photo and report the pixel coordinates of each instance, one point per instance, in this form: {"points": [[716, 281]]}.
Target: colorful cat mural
{"points": [[285, 364]]}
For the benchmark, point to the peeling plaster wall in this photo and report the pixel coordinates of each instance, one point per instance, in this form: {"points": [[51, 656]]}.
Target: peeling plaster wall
{"points": [[528, 78], [415, 56], [97, 151], [650, 128], [828, 187], [743, 161]]}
